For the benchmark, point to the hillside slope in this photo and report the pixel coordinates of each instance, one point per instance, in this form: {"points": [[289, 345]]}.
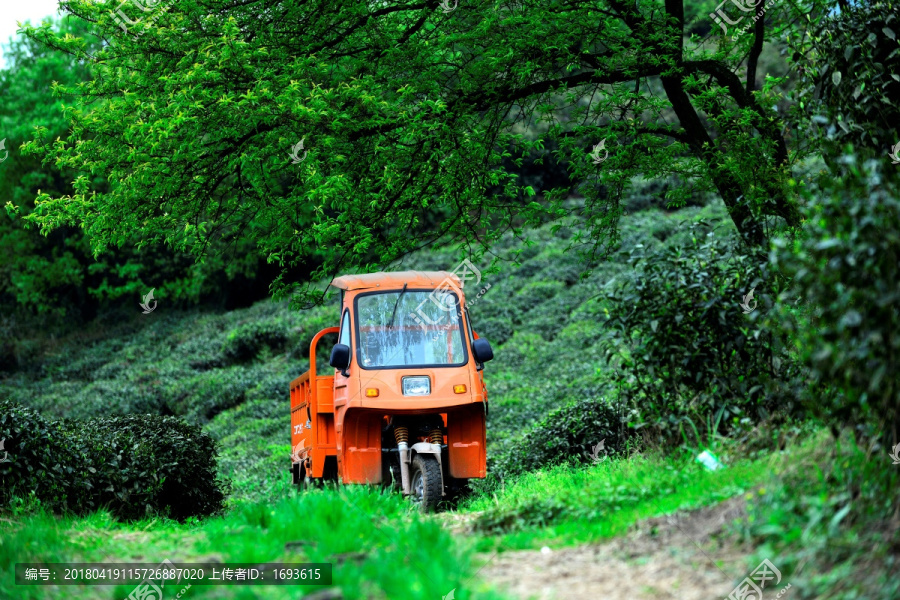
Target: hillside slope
{"points": [[230, 371]]}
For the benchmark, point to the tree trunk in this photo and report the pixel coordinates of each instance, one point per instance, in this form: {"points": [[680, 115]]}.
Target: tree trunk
{"points": [[703, 146]]}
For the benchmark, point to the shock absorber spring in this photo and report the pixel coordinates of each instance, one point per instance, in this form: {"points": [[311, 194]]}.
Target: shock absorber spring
{"points": [[401, 434], [436, 437]]}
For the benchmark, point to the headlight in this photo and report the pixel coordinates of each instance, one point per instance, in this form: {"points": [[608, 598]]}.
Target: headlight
{"points": [[416, 386]]}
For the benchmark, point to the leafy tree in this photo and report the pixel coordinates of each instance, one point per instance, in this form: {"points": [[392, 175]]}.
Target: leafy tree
{"points": [[35, 270], [840, 311], [406, 113], [57, 273]]}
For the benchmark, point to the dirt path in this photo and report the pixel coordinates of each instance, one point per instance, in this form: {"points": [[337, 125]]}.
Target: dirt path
{"points": [[685, 556]]}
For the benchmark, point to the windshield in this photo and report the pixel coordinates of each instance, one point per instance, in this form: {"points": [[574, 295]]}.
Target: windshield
{"points": [[426, 329]]}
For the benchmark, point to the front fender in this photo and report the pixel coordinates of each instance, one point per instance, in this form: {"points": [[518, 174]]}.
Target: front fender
{"points": [[426, 448]]}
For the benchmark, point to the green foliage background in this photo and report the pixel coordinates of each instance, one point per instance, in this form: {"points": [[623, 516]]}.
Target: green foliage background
{"points": [[614, 299]]}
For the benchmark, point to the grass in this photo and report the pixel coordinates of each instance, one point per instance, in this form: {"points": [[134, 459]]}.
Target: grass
{"points": [[819, 510], [566, 504], [831, 520], [397, 553], [822, 510]]}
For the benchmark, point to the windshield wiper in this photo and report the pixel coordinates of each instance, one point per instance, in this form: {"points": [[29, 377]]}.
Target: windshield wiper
{"points": [[396, 304]]}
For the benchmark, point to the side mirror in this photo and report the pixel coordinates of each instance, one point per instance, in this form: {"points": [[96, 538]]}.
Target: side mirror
{"points": [[482, 351], [340, 358]]}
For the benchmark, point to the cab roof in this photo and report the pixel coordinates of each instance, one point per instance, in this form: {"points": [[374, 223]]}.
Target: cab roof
{"points": [[395, 280]]}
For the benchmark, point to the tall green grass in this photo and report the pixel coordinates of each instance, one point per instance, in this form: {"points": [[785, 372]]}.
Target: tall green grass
{"points": [[571, 504], [380, 548], [832, 521]]}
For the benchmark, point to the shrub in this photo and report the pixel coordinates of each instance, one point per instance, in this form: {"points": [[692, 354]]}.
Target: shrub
{"points": [[108, 397], [314, 321], [849, 67], [687, 351], [248, 340], [38, 460], [497, 330], [201, 397], [549, 318], [568, 434], [845, 270], [533, 294], [136, 466]]}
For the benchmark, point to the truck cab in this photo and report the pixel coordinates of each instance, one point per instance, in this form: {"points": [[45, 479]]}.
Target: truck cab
{"points": [[406, 405]]}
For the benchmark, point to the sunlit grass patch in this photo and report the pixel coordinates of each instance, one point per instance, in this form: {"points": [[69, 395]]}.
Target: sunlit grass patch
{"points": [[379, 546], [569, 504]]}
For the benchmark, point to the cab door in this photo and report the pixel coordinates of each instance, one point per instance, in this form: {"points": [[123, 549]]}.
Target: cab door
{"points": [[342, 389], [479, 388], [342, 383]]}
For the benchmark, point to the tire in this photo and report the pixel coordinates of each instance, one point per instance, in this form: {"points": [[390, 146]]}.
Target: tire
{"points": [[425, 482]]}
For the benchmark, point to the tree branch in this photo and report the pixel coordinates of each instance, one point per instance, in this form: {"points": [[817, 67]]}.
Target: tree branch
{"points": [[362, 21], [759, 33], [483, 101], [729, 80], [681, 135]]}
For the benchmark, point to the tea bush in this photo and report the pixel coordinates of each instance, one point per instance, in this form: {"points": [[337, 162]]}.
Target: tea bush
{"points": [[546, 319], [38, 460], [849, 70], [136, 466], [846, 280], [533, 294], [690, 353], [247, 341], [497, 330], [202, 396], [569, 434]]}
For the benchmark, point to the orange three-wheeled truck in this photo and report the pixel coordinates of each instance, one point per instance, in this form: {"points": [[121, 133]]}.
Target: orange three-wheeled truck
{"points": [[407, 403]]}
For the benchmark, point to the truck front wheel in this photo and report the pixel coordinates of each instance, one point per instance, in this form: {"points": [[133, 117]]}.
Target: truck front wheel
{"points": [[425, 481]]}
